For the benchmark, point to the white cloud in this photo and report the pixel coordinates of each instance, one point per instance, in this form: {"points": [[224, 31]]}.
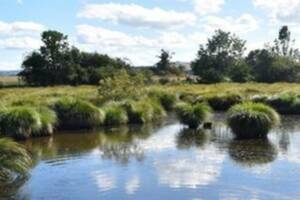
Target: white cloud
{"points": [[241, 25], [20, 28], [280, 10], [20, 43], [137, 16], [208, 6]]}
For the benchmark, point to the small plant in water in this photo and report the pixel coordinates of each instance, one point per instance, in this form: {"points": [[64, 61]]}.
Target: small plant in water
{"points": [[14, 160], [193, 115], [252, 120], [115, 115]]}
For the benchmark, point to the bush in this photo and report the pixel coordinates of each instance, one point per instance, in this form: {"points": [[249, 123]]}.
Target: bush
{"points": [[115, 115], [48, 119], [166, 99], [285, 103], [252, 120], [139, 112], [19, 122], [193, 115], [77, 114], [224, 102], [14, 159]]}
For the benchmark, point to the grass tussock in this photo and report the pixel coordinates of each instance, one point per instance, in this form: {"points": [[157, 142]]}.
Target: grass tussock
{"points": [[167, 99], [77, 114], [19, 122], [49, 121], [14, 159], [115, 115], [252, 120], [224, 102], [193, 115]]}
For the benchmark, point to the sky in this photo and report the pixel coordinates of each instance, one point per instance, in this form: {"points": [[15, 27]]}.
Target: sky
{"points": [[137, 29]]}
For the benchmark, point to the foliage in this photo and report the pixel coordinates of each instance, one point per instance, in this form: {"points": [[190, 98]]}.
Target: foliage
{"points": [[48, 119], [224, 101], [121, 86], [252, 120], [77, 114], [55, 63], [19, 122], [14, 159], [193, 115], [214, 60], [166, 98], [115, 115]]}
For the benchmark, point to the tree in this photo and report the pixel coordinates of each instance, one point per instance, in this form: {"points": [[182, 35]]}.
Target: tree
{"points": [[55, 63], [283, 45], [216, 58], [164, 64]]}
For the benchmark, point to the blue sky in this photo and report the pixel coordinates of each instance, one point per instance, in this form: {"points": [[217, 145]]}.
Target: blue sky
{"points": [[138, 29]]}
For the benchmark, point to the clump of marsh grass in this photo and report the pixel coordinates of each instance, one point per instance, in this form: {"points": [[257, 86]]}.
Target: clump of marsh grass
{"points": [[115, 115], [144, 111], [19, 122], [167, 99], [48, 119], [252, 120], [224, 102], [77, 114], [14, 159], [193, 115]]}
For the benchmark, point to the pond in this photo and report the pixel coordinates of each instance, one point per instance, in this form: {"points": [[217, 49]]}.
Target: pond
{"points": [[165, 161]]}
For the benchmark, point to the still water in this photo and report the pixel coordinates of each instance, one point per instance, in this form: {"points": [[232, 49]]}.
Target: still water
{"points": [[165, 161]]}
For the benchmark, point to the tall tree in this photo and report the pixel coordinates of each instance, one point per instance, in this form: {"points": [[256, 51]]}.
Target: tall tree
{"points": [[215, 60], [164, 63]]}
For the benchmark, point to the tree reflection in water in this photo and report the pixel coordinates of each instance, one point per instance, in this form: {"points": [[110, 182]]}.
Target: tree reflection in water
{"points": [[251, 153]]}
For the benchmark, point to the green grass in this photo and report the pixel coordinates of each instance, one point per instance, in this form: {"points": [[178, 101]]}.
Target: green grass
{"points": [[252, 120], [19, 122], [193, 115], [49, 121], [115, 115], [77, 114], [14, 159]]}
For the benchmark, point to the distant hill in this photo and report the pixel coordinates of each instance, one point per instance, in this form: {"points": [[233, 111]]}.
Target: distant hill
{"points": [[9, 73]]}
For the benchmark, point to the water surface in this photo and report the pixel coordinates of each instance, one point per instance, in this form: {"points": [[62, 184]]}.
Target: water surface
{"points": [[164, 162]]}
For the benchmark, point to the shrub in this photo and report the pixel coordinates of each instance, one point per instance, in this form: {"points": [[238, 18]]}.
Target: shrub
{"points": [[115, 115], [224, 102], [139, 112], [166, 99], [252, 120], [77, 114], [14, 159], [19, 122], [48, 119], [193, 115]]}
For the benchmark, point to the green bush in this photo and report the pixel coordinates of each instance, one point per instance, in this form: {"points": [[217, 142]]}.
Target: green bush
{"points": [[224, 102], [139, 112], [49, 120], [77, 114], [19, 122], [288, 103], [252, 120], [193, 115], [14, 159], [167, 99], [115, 115]]}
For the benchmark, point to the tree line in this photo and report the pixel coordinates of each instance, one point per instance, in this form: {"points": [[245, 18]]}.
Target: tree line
{"points": [[221, 59]]}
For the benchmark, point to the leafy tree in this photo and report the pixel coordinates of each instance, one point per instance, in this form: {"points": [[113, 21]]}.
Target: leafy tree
{"points": [[164, 63], [215, 59], [283, 45]]}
